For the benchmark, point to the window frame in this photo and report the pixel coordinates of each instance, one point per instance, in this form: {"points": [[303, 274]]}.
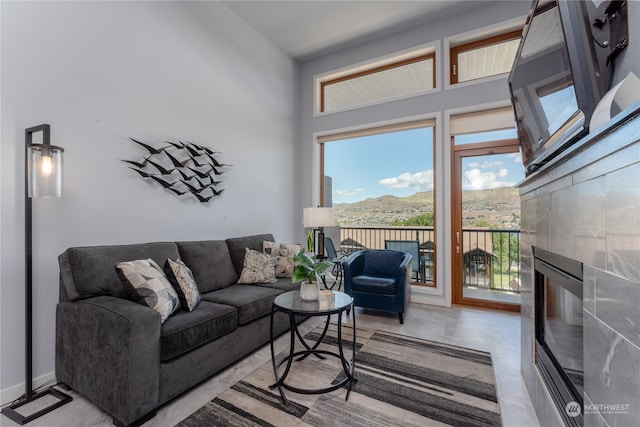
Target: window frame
{"points": [[454, 51], [395, 64]]}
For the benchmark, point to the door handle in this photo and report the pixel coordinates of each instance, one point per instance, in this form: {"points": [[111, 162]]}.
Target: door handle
{"points": [[457, 242]]}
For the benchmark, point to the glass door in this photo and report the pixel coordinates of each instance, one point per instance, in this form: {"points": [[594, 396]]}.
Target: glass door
{"points": [[486, 220]]}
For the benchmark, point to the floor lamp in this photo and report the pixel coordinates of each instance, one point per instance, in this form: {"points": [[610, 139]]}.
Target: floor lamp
{"points": [[43, 178], [319, 218]]}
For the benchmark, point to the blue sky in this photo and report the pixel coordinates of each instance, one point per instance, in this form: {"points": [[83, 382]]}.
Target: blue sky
{"points": [[401, 164]]}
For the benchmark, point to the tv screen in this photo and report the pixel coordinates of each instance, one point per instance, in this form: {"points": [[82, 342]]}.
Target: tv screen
{"points": [[555, 82]]}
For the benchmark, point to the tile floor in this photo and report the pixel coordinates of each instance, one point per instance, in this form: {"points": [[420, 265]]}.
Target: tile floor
{"points": [[493, 331]]}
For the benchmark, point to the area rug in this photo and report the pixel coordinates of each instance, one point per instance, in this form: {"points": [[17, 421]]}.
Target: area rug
{"points": [[402, 381]]}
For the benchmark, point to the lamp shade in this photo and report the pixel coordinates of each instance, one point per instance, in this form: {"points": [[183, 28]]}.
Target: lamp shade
{"points": [[319, 217], [44, 170]]}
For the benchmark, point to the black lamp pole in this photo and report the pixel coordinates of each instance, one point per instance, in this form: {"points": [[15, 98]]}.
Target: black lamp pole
{"points": [[30, 395]]}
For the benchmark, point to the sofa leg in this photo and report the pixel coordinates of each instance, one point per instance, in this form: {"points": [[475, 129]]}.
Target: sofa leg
{"points": [[401, 316]]}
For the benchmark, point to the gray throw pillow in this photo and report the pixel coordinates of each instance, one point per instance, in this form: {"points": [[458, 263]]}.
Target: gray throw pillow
{"points": [[181, 279], [258, 268], [150, 284]]}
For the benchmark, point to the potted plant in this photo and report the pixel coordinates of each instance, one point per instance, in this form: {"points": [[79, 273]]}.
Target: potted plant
{"points": [[310, 271]]}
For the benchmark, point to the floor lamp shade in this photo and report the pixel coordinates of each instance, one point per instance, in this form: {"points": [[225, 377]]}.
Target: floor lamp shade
{"points": [[44, 166]]}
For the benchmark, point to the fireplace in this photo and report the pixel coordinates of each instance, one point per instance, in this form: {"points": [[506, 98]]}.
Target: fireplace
{"points": [[558, 332]]}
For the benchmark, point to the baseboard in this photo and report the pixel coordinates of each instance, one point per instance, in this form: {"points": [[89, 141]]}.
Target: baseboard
{"points": [[428, 299], [10, 394]]}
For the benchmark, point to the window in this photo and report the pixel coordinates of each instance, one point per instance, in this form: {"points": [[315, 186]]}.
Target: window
{"points": [[381, 183], [483, 58], [396, 79], [480, 126]]}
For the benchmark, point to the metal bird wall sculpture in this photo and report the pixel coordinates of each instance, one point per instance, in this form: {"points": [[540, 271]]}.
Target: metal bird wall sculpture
{"points": [[182, 168]]}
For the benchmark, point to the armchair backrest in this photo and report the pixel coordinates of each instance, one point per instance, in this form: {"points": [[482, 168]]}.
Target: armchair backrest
{"points": [[382, 262]]}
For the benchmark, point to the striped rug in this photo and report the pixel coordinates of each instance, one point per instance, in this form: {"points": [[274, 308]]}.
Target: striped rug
{"points": [[402, 381]]}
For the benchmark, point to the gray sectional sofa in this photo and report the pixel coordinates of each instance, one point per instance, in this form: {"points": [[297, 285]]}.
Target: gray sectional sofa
{"points": [[118, 354]]}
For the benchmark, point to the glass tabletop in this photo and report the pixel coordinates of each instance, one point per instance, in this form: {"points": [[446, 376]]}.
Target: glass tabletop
{"points": [[329, 302]]}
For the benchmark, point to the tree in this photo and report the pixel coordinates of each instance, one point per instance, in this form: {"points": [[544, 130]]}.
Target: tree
{"points": [[424, 220], [506, 247], [482, 223]]}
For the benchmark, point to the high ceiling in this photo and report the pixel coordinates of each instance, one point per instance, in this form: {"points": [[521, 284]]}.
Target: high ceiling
{"points": [[307, 29]]}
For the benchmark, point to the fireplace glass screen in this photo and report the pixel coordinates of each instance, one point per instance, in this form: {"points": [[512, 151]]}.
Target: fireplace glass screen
{"points": [[558, 321], [563, 331]]}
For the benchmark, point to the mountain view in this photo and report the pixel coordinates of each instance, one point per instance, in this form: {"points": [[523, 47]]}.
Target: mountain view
{"points": [[494, 208]]}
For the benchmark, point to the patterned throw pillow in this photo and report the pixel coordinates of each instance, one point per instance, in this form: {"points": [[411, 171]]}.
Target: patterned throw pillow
{"points": [[258, 268], [181, 279], [150, 284], [284, 253]]}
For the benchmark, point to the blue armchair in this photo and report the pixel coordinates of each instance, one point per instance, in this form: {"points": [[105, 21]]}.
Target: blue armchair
{"points": [[379, 279]]}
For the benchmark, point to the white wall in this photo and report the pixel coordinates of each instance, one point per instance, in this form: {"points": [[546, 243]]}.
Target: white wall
{"points": [[438, 104], [100, 72]]}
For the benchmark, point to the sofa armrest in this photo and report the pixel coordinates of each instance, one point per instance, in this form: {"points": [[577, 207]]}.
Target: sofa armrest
{"points": [[108, 349], [352, 266]]}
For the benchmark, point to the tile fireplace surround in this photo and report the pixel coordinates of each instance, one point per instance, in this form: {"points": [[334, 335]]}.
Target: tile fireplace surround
{"points": [[585, 205]]}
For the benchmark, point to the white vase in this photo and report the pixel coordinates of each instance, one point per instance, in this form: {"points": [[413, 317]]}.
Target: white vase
{"points": [[309, 291]]}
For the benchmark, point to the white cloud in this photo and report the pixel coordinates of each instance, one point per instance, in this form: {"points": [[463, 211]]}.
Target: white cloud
{"points": [[517, 157], [421, 181], [348, 193], [492, 164], [475, 179]]}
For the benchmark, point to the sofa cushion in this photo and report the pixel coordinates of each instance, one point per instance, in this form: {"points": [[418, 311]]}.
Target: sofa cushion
{"points": [[382, 262], [283, 284], [238, 245], [376, 285], [284, 253], [210, 263], [88, 271], [258, 268], [150, 286], [186, 330], [181, 278], [251, 301]]}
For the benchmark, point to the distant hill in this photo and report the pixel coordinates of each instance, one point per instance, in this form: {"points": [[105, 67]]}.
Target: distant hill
{"points": [[498, 207]]}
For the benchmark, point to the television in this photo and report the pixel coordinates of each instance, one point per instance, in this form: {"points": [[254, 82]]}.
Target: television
{"points": [[556, 80]]}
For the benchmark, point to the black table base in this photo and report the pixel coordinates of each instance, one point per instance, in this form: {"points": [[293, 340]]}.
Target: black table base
{"points": [[347, 366]]}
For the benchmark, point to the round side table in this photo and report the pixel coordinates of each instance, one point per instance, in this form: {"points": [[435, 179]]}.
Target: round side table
{"points": [[291, 304]]}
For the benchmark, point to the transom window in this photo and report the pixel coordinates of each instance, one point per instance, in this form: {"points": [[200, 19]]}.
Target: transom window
{"points": [[381, 83], [483, 58]]}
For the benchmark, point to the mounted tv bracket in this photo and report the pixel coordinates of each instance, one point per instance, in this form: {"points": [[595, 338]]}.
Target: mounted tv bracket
{"points": [[615, 12]]}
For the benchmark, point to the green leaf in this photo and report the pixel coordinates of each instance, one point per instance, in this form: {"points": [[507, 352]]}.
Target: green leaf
{"points": [[308, 269]]}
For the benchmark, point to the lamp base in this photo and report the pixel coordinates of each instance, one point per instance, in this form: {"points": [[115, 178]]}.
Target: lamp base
{"points": [[320, 254], [12, 413]]}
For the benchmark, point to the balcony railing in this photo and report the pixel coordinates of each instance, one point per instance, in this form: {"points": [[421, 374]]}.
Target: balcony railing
{"points": [[491, 258], [373, 237]]}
